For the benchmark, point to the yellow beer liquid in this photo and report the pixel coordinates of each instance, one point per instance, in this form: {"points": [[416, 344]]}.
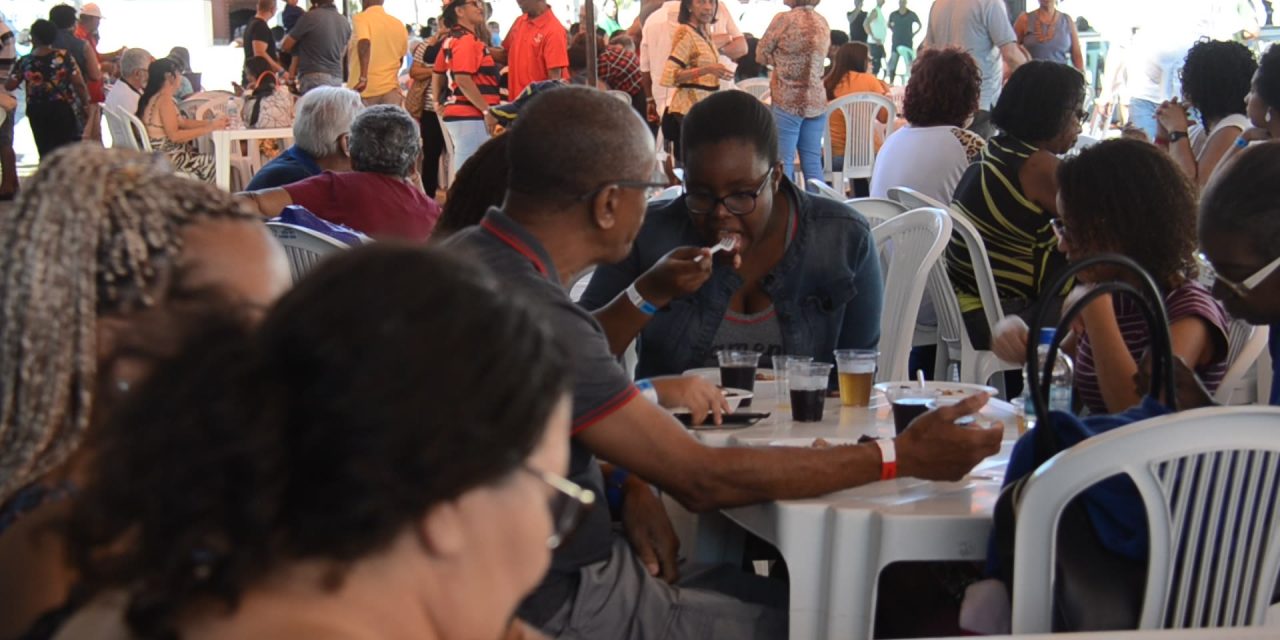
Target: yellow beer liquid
{"points": [[855, 389]]}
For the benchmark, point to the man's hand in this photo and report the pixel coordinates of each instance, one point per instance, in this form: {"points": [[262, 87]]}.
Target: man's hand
{"points": [[676, 275], [934, 448], [361, 85], [1186, 384], [694, 393], [651, 111], [649, 530], [1009, 339], [490, 123]]}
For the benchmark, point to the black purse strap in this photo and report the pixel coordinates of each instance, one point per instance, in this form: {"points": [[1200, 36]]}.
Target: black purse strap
{"points": [[1150, 303]]}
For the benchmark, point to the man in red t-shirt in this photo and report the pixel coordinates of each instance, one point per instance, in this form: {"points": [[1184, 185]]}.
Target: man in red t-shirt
{"points": [[536, 47], [380, 198]]}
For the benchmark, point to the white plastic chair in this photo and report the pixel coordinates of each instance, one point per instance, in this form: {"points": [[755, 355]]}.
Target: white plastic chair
{"points": [[1246, 344], [877, 210], [909, 245], [825, 189], [976, 366], [758, 87], [138, 131], [305, 248], [670, 193], [861, 111], [1208, 478], [122, 137]]}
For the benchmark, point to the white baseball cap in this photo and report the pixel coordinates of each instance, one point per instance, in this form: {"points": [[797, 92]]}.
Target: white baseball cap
{"points": [[91, 9]]}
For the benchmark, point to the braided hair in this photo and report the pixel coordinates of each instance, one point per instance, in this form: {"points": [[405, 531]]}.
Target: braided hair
{"points": [[95, 232]]}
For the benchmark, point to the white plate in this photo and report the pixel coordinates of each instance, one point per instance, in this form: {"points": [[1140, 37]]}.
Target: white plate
{"points": [[944, 389], [733, 396], [712, 374]]}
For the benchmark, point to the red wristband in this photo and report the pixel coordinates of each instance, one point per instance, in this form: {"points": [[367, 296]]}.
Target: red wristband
{"points": [[888, 459]]}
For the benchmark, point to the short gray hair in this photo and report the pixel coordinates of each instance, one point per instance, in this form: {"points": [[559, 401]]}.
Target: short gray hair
{"points": [[133, 61], [324, 115], [385, 139]]}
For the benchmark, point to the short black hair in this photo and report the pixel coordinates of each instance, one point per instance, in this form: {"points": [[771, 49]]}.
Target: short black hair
{"points": [[1216, 77], [1038, 101], [63, 16], [1269, 77], [730, 115], [574, 139], [1244, 198], [838, 37], [43, 32], [481, 183]]}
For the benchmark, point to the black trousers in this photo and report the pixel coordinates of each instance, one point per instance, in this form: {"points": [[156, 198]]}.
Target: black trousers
{"points": [[432, 149], [53, 124], [877, 57]]}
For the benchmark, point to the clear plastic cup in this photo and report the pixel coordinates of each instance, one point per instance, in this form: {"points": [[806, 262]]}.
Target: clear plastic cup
{"points": [[808, 382], [856, 369], [738, 371], [781, 374]]}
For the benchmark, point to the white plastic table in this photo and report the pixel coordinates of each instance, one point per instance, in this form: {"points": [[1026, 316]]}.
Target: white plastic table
{"points": [[222, 148], [836, 545]]}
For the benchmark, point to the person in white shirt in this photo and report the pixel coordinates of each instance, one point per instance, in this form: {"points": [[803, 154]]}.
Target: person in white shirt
{"points": [[983, 29], [125, 92], [655, 46], [931, 153]]}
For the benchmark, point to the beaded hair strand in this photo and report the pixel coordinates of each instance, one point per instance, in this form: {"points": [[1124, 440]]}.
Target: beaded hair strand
{"points": [[94, 233]]}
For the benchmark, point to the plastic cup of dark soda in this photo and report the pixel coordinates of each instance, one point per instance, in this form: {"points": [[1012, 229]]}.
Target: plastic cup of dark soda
{"points": [[808, 382]]}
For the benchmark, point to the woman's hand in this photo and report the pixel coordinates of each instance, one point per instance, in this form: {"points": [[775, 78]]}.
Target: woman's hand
{"points": [[694, 393], [1256, 134], [1172, 116], [219, 123], [718, 70], [1009, 339]]}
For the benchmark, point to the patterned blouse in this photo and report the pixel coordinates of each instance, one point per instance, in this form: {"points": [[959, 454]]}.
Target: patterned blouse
{"points": [[49, 77], [795, 45], [689, 49]]}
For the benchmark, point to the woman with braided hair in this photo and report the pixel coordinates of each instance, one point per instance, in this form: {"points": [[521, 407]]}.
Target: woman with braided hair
{"points": [[107, 260]]}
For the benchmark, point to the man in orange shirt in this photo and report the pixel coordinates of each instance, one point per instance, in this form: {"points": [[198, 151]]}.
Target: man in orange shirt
{"points": [[536, 47]]}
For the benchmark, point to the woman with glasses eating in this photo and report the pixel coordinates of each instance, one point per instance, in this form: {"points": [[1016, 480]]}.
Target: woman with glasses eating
{"points": [[802, 276], [391, 472], [1150, 217]]}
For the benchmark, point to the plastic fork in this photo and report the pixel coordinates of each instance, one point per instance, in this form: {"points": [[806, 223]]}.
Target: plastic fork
{"points": [[726, 243]]}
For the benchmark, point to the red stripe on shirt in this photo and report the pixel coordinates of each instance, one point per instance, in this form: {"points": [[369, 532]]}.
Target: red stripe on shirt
{"points": [[612, 406], [516, 244]]}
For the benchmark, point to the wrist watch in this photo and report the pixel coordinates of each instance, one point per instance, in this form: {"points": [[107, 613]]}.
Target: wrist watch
{"points": [[1175, 136]]}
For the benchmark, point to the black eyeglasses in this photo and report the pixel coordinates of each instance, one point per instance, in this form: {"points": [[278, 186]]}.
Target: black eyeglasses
{"points": [[1059, 228], [651, 189], [569, 503], [739, 204]]}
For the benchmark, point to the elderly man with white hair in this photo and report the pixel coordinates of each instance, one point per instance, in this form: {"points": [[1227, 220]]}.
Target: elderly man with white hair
{"points": [[125, 92], [381, 197], [321, 139]]}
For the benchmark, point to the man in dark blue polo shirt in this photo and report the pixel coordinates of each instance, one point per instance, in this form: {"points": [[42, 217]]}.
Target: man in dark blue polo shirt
{"points": [[321, 136], [576, 197]]}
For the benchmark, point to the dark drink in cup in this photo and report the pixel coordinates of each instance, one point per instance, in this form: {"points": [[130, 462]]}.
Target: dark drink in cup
{"points": [[907, 409], [808, 381], [806, 406], [738, 371]]}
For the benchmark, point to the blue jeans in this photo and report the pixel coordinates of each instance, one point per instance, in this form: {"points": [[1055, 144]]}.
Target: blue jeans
{"points": [[467, 136], [1142, 114], [805, 134]]}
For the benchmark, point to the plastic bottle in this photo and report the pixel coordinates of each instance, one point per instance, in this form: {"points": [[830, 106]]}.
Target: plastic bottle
{"points": [[1059, 384]]}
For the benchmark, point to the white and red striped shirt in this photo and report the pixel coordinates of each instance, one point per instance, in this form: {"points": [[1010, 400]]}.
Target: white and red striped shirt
{"points": [[1191, 300]]}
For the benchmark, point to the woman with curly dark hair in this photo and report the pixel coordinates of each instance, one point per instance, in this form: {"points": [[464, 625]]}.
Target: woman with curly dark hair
{"points": [[1262, 105], [933, 150], [393, 471], [481, 183], [1215, 81], [1011, 192], [1149, 216]]}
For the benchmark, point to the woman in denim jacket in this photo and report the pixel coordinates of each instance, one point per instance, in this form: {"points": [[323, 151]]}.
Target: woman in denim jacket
{"points": [[804, 278]]}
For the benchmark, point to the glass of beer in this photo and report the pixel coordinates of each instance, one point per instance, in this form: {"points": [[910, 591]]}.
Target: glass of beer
{"points": [[808, 381], [857, 372], [738, 371]]}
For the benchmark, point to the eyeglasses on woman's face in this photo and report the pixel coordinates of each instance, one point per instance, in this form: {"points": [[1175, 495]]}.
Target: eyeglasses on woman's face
{"points": [[568, 504], [739, 203], [1243, 288]]}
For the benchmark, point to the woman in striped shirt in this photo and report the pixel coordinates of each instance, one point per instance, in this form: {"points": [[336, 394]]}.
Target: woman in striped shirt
{"points": [[1150, 216], [693, 68]]}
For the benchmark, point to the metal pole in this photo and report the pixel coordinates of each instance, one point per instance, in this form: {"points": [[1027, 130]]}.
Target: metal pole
{"points": [[589, 29]]}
